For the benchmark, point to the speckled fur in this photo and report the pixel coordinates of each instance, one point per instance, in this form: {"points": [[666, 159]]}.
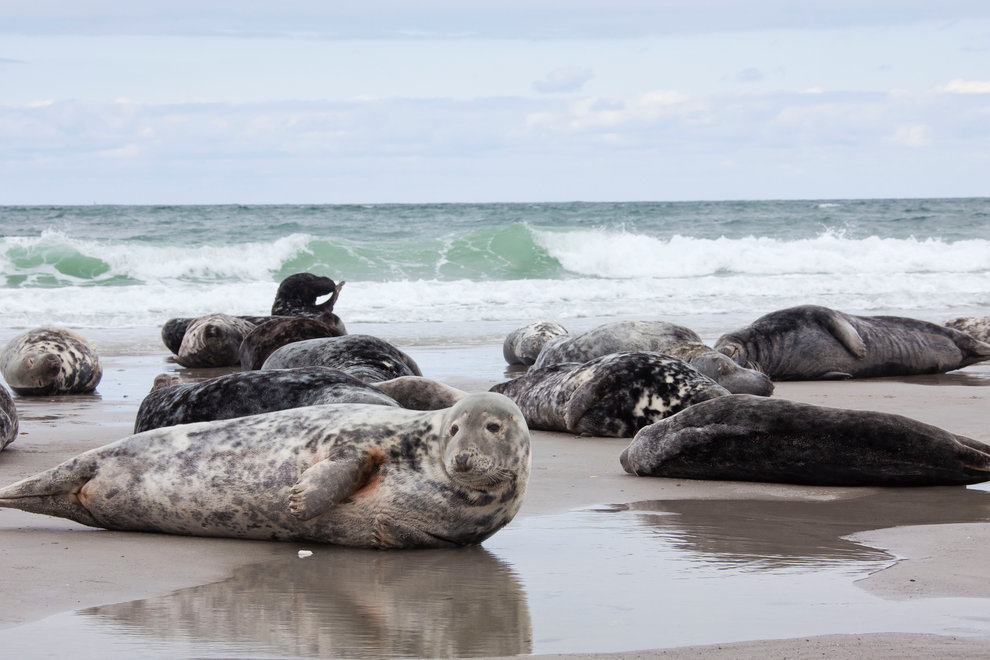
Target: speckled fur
{"points": [[276, 332], [48, 360], [748, 438], [614, 395], [523, 345], [661, 337], [213, 341], [350, 474], [367, 358], [250, 393], [977, 327], [418, 393], [812, 343], [8, 418]]}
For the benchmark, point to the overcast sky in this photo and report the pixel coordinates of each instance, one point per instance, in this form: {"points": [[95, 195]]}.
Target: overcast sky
{"points": [[299, 101]]}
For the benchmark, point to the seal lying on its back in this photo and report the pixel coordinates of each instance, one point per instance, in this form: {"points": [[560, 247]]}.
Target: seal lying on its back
{"points": [[8, 418], [250, 393], [213, 341], [48, 361], [614, 395], [974, 326], [812, 343], [748, 438], [358, 475], [278, 331], [667, 338], [523, 345], [365, 357]]}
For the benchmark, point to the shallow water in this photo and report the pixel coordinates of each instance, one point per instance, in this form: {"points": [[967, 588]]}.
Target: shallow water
{"points": [[622, 577]]}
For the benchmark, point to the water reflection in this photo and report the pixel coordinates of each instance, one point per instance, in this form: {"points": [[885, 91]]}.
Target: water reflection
{"points": [[350, 603]]}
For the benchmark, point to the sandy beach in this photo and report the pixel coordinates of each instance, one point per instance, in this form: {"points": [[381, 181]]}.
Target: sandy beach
{"points": [[854, 572]]}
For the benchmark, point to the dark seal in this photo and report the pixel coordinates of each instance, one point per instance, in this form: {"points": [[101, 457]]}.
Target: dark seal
{"points": [[278, 331], [817, 343], [49, 360], [748, 438], [357, 475], [365, 357], [614, 395], [8, 418], [250, 393]]}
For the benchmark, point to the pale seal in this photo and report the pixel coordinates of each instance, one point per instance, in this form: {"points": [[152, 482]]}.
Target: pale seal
{"points": [[974, 326], [747, 438], [50, 360], [523, 345], [213, 341], [418, 393], [667, 338], [365, 357], [252, 392], [8, 418], [349, 474], [614, 395], [813, 343]]}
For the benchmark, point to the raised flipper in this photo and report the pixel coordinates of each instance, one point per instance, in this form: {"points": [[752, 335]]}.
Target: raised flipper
{"points": [[330, 482], [845, 333], [391, 533], [56, 492]]}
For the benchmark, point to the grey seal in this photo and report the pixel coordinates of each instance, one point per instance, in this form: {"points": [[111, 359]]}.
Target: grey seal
{"points": [[278, 331], [8, 418], [747, 438], [252, 392], [974, 326], [523, 345], [348, 474], [614, 395], [418, 393], [50, 360], [213, 341], [365, 357], [667, 338], [813, 343]]}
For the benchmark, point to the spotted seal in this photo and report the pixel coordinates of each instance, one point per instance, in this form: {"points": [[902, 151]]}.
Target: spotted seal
{"points": [[348, 474], [418, 393], [278, 331], [213, 341], [363, 356], [747, 438], [813, 343], [523, 345], [667, 338], [50, 360], [974, 326], [246, 393], [614, 395], [8, 418]]}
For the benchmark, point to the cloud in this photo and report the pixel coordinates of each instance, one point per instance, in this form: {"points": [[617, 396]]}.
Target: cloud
{"points": [[567, 79], [961, 86], [912, 135]]}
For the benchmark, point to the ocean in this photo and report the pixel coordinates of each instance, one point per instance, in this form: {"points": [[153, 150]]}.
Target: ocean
{"points": [[464, 269]]}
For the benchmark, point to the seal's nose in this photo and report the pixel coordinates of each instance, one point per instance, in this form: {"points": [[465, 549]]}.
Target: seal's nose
{"points": [[462, 463]]}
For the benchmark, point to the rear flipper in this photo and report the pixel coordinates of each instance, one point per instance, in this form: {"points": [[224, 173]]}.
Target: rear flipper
{"points": [[393, 534], [56, 492]]}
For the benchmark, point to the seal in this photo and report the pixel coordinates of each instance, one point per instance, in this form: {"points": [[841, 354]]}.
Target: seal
{"points": [[213, 341], [367, 358], [977, 327], [356, 475], [523, 345], [278, 331], [667, 338], [50, 360], [817, 343], [747, 438], [418, 393], [8, 418], [250, 393], [614, 395]]}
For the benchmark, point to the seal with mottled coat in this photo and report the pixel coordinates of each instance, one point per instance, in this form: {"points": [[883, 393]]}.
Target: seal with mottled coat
{"points": [[349, 474], [213, 341], [614, 395], [816, 343], [50, 360], [365, 357], [667, 338], [523, 345], [974, 326], [747, 438], [8, 418], [278, 331], [246, 393]]}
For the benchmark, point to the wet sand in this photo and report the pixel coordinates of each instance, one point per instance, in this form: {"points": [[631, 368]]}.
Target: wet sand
{"points": [[920, 548]]}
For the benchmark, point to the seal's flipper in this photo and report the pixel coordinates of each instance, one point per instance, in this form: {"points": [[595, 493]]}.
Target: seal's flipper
{"points": [[391, 533], [329, 482], [835, 375], [845, 333], [57, 492], [333, 297]]}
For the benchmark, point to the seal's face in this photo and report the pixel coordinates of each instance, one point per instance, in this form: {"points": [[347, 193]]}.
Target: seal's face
{"points": [[486, 445], [37, 370]]}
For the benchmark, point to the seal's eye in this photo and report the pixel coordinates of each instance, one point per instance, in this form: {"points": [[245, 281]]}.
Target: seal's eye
{"points": [[454, 429], [494, 428]]}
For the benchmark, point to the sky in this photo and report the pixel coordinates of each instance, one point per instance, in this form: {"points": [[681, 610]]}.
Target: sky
{"points": [[304, 101]]}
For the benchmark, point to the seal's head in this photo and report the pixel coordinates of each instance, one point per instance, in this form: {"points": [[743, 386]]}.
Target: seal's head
{"points": [[487, 442], [298, 293], [720, 367], [36, 372]]}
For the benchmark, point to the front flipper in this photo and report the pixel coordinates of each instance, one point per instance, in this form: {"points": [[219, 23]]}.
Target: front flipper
{"points": [[329, 482], [396, 534], [846, 334]]}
